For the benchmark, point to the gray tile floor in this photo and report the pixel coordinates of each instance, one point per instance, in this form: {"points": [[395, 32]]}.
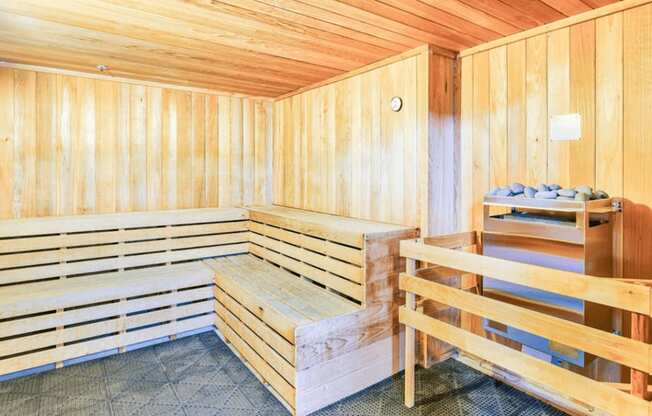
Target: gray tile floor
{"points": [[199, 376]]}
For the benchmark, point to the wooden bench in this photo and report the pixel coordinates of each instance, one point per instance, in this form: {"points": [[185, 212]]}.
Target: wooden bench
{"points": [[313, 307], [76, 286], [308, 300]]}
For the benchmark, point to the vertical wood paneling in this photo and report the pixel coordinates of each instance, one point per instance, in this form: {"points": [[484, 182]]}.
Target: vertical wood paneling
{"points": [[198, 150], [498, 115], [24, 195], [481, 132], [340, 149], [466, 144], [46, 139], [169, 149], [559, 103], [154, 147], [537, 109], [212, 155], [107, 95], [138, 147], [600, 69], [637, 24], [72, 145], [609, 104], [7, 140], [582, 101], [184, 171], [123, 161], [517, 161]]}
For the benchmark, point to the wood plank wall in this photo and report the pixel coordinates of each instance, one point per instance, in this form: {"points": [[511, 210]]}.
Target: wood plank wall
{"points": [[340, 149], [599, 68], [74, 145]]}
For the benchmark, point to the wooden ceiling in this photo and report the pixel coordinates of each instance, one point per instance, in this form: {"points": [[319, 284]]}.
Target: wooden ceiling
{"points": [[253, 47]]}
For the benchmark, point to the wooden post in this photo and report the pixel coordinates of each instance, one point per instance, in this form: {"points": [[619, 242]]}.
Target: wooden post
{"points": [[640, 331], [410, 303]]}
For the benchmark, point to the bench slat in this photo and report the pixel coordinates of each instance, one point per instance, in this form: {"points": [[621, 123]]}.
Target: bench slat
{"points": [[93, 266], [75, 316], [75, 254], [106, 237], [342, 285], [81, 349], [75, 333], [65, 293], [83, 223]]}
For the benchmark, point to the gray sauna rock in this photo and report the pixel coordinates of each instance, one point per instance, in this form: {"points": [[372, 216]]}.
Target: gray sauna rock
{"points": [[542, 187], [504, 192], [565, 198], [581, 196], [568, 193], [517, 188], [529, 192], [546, 195], [585, 189], [554, 187], [493, 192], [601, 195]]}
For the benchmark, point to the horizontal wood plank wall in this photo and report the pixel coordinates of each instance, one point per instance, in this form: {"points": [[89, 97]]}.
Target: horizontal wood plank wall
{"points": [[72, 145], [340, 149], [598, 68]]}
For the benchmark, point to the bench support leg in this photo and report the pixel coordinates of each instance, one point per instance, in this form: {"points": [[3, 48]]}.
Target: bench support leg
{"points": [[410, 303]]}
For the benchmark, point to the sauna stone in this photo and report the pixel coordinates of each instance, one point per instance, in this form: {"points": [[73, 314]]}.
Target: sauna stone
{"points": [[529, 192], [568, 193], [585, 189], [542, 187], [554, 187], [504, 192], [601, 195], [546, 195], [517, 188], [581, 196]]}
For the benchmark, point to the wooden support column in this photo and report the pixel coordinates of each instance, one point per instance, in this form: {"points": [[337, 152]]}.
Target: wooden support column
{"points": [[410, 303], [640, 332]]}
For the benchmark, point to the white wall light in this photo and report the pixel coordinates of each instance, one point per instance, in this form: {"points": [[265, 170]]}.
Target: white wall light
{"points": [[566, 127]]}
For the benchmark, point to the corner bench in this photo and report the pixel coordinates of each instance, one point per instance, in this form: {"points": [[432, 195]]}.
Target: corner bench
{"points": [[313, 307], [309, 301]]}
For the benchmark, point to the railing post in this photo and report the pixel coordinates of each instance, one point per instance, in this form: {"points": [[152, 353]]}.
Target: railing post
{"points": [[410, 303], [640, 331]]}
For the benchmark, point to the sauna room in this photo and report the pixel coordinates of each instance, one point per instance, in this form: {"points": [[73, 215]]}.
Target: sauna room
{"points": [[325, 207]]}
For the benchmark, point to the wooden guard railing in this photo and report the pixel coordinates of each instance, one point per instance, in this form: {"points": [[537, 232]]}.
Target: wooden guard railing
{"points": [[632, 353]]}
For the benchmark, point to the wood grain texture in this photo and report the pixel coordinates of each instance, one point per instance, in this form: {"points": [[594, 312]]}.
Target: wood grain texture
{"points": [[637, 37], [340, 149], [255, 47], [73, 145], [600, 69]]}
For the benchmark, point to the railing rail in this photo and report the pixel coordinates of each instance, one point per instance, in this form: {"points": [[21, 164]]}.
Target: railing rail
{"points": [[633, 353]]}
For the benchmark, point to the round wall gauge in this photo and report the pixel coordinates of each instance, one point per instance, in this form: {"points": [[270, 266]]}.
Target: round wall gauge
{"points": [[396, 104]]}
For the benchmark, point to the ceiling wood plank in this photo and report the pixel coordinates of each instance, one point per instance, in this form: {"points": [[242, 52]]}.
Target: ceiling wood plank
{"points": [[504, 12], [475, 15], [568, 7], [264, 48], [536, 10], [452, 21]]}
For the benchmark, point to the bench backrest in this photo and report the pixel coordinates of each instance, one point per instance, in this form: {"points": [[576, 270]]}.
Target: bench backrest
{"points": [[54, 247]]}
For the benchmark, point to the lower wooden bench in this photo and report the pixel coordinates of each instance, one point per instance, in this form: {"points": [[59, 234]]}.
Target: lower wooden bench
{"points": [[259, 310], [169, 299]]}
